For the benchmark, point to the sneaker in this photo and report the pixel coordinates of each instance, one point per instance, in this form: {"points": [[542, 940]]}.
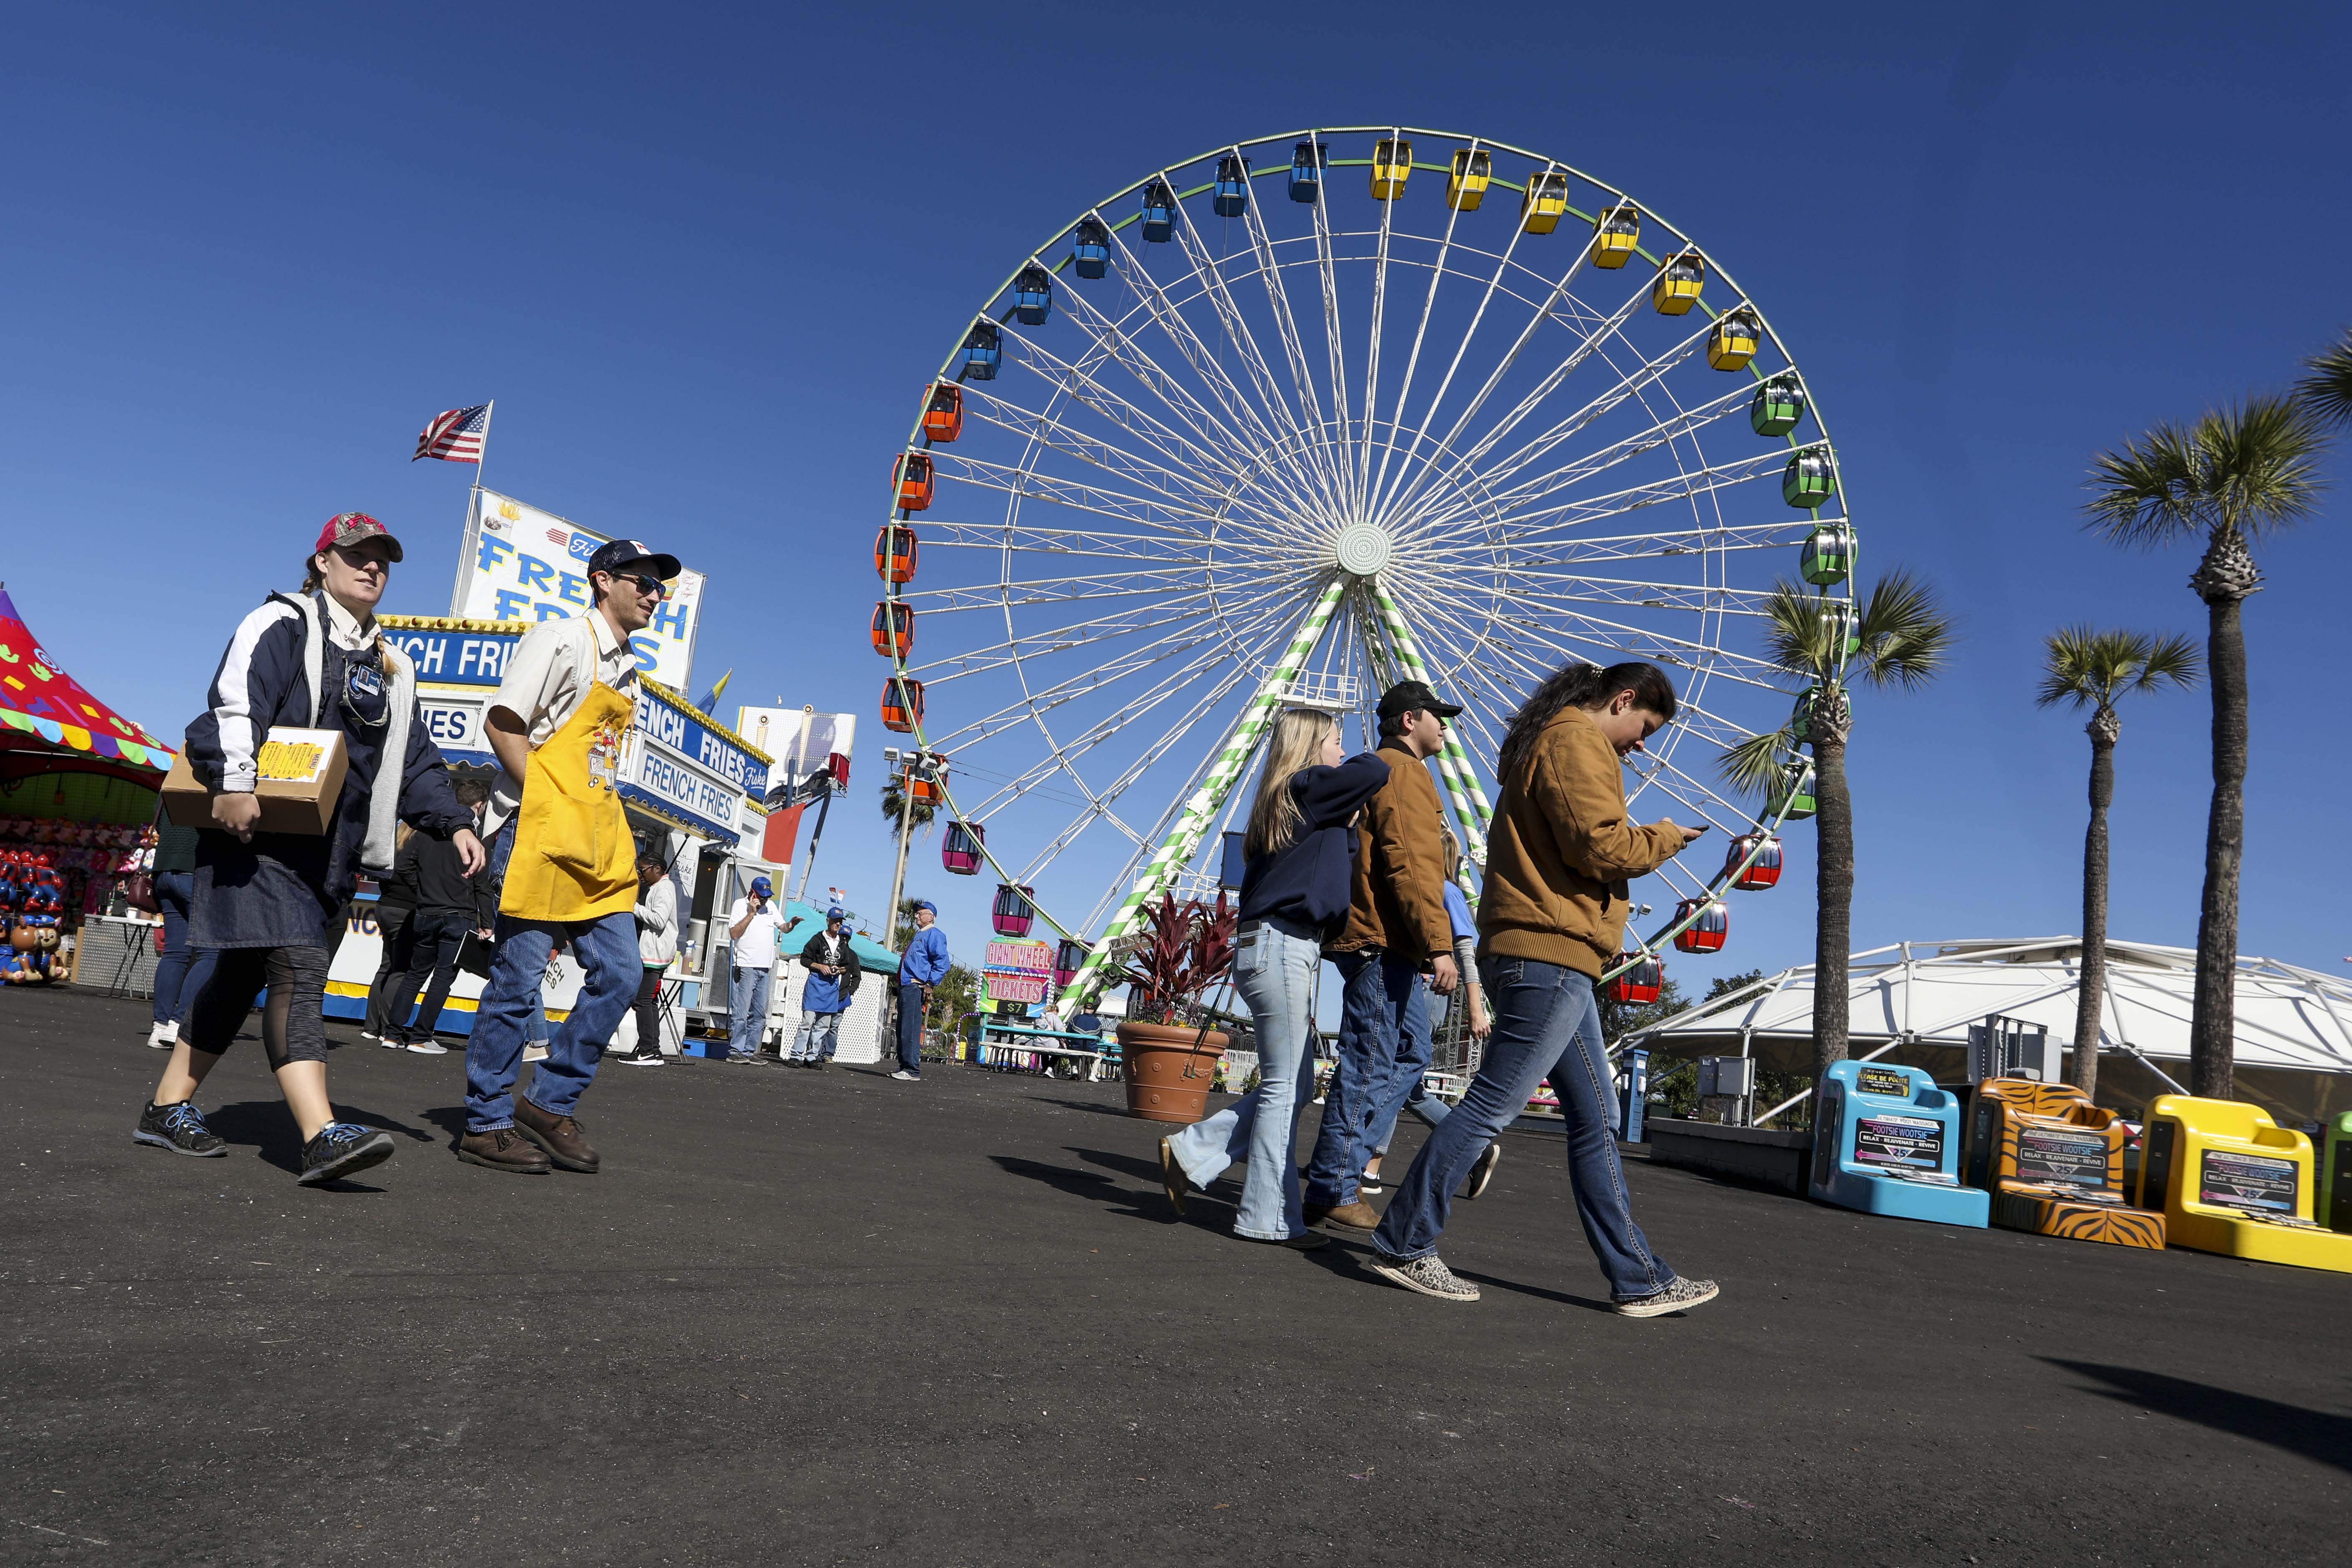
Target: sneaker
{"points": [[428, 1048], [903, 1076], [752, 1061], [1482, 1170], [343, 1149], [1370, 1186], [644, 1058], [534, 1053], [179, 1128], [160, 1037], [1425, 1276], [371, 1039], [389, 1042], [1677, 1297], [1172, 1178]]}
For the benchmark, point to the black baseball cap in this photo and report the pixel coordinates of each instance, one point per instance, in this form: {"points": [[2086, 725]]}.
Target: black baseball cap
{"points": [[1409, 696], [620, 555]]}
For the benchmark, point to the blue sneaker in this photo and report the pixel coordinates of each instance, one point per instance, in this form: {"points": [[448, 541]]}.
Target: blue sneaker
{"points": [[342, 1149], [179, 1128]]}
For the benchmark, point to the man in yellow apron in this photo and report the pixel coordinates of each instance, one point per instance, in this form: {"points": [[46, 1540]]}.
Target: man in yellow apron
{"points": [[569, 698]]}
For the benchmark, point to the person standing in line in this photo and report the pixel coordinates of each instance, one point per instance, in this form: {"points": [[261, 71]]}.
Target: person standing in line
{"points": [[1396, 929], [271, 906], [1552, 916], [181, 972], [395, 908], [754, 924], [923, 965], [448, 905], [1299, 855], [832, 981], [556, 724], [656, 916], [1409, 1091]]}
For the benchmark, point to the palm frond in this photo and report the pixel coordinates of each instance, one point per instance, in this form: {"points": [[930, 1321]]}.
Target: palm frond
{"points": [[1905, 635], [2084, 667], [2326, 393], [2173, 661], [2146, 493], [1751, 767], [2252, 465]]}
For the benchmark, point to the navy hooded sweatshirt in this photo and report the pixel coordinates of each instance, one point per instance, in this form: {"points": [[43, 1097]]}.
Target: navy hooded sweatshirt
{"points": [[1307, 882]]}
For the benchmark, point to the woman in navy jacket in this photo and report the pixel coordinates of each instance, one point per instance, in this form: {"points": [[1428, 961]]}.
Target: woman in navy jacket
{"points": [[271, 904], [1300, 870]]}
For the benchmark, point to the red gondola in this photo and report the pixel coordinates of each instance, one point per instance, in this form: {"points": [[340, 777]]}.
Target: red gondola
{"points": [[1068, 959], [894, 553], [959, 851], [1766, 870], [902, 704], [894, 628], [1640, 983], [944, 417], [911, 472], [1014, 909], [1706, 933]]}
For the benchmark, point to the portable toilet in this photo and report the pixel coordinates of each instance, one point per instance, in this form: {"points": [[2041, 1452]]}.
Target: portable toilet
{"points": [[1888, 1141]]}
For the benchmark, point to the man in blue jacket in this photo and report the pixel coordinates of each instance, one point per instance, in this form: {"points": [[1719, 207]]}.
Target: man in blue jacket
{"points": [[923, 965]]}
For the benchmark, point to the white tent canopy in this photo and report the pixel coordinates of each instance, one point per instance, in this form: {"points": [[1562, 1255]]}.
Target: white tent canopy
{"points": [[1914, 1001]]}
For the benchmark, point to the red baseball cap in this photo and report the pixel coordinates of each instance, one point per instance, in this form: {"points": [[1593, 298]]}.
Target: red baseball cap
{"points": [[348, 528]]}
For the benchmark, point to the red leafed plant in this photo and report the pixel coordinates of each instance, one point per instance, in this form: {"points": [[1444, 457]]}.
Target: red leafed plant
{"points": [[1186, 949]]}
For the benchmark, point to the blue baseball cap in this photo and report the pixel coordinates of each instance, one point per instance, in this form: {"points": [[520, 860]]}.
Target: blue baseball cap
{"points": [[927, 904], [760, 885], [836, 913]]}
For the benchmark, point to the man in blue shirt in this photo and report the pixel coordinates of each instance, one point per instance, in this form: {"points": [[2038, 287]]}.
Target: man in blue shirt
{"points": [[923, 965]]}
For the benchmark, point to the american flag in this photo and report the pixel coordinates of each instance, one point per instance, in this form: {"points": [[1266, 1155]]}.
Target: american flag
{"points": [[456, 437]]}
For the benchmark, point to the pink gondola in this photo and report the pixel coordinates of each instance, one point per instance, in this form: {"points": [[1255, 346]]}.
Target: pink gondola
{"points": [[1014, 909], [959, 851]]}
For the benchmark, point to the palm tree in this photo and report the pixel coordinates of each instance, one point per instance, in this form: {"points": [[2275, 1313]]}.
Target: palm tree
{"points": [[894, 804], [2326, 393], [2236, 476], [1900, 638], [2085, 668]]}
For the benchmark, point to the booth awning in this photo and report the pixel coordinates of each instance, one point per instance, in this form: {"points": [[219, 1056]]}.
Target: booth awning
{"points": [[43, 710]]}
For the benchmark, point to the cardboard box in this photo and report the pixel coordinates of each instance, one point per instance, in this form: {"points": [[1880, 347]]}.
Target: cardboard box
{"points": [[302, 779]]}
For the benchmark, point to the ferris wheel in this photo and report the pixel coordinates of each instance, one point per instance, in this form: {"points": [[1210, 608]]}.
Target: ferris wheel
{"points": [[1308, 415]]}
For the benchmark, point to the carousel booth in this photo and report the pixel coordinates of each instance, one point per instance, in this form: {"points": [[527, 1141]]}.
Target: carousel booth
{"points": [[78, 790], [692, 788]]}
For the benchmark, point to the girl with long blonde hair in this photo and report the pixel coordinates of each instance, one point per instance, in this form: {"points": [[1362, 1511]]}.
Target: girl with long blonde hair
{"points": [[1300, 851]]}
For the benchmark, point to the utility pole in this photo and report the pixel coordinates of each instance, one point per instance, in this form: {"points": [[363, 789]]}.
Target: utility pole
{"points": [[906, 763]]}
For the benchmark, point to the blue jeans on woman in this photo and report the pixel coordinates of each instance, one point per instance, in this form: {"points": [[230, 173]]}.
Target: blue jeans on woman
{"points": [[1275, 973], [1545, 1025], [180, 973]]}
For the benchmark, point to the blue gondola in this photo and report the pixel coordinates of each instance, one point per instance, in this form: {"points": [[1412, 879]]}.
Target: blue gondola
{"points": [[1033, 296], [1090, 246], [1306, 164], [981, 353], [1159, 213], [1233, 187]]}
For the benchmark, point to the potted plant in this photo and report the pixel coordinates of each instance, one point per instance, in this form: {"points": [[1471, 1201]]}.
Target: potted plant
{"points": [[1166, 1044]]}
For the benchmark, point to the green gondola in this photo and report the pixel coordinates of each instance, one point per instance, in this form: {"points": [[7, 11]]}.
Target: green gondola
{"points": [[1780, 404], [1810, 481], [1826, 559]]}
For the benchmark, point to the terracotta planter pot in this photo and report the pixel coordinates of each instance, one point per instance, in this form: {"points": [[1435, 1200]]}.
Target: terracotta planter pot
{"points": [[1169, 1070]]}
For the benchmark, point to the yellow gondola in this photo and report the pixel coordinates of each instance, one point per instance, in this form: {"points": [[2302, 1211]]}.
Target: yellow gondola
{"points": [[1679, 283], [1391, 164], [1467, 186], [1543, 202], [1615, 234], [1732, 343]]}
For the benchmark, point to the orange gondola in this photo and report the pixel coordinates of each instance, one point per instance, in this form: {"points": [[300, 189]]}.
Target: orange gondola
{"points": [[902, 704], [911, 475], [894, 628], [944, 416], [894, 553]]}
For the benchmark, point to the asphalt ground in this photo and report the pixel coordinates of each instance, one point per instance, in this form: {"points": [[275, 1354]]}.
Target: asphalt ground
{"points": [[829, 1318]]}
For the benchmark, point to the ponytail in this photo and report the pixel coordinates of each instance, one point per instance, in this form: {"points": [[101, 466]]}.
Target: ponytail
{"points": [[1581, 686]]}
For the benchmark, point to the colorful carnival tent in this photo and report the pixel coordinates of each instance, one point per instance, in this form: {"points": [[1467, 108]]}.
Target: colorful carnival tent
{"points": [[50, 724]]}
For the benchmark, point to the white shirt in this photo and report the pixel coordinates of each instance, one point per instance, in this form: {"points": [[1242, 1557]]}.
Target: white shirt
{"points": [[756, 948], [344, 626], [657, 924], [548, 675]]}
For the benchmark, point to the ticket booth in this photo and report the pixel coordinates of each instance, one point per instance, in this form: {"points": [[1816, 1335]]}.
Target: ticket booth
{"points": [[2054, 1164], [2230, 1180], [1888, 1141]]}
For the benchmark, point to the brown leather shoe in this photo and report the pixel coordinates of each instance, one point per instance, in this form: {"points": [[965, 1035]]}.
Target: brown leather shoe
{"points": [[504, 1150], [1357, 1216], [559, 1135]]}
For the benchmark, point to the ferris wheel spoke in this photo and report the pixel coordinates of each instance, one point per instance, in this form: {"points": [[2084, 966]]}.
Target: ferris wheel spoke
{"points": [[1686, 486], [1334, 343], [1437, 268], [1178, 486], [1145, 510], [1372, 351], [1575, 548], [1294, 347], [1204, 450], [1569, 631], [1714, 598], [1063, 543], [930, 602], [1175, 610], [1706, 724]]}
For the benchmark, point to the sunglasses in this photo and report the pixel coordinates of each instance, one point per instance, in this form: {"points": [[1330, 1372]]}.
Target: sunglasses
{"points": [[653, 585]]}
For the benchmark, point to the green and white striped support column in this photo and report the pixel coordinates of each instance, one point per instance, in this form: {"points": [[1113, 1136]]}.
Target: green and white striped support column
{"points": [[1470, 805], [1094, 976]]}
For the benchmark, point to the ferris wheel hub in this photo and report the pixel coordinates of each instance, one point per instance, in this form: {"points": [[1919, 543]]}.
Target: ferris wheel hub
{"points": [[1362, 549]]}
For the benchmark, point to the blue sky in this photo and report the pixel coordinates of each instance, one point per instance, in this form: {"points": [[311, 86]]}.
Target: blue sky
{"points": [[703, 266]]}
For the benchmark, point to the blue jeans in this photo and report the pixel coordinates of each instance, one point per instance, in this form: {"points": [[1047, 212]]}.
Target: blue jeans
{"points": [[747, 1008], [911, 999], [817, 1037], [606, 952], [180, 975], [1373, 1009], [1545, 1025], [1414, 1044], [1275, 973]]}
